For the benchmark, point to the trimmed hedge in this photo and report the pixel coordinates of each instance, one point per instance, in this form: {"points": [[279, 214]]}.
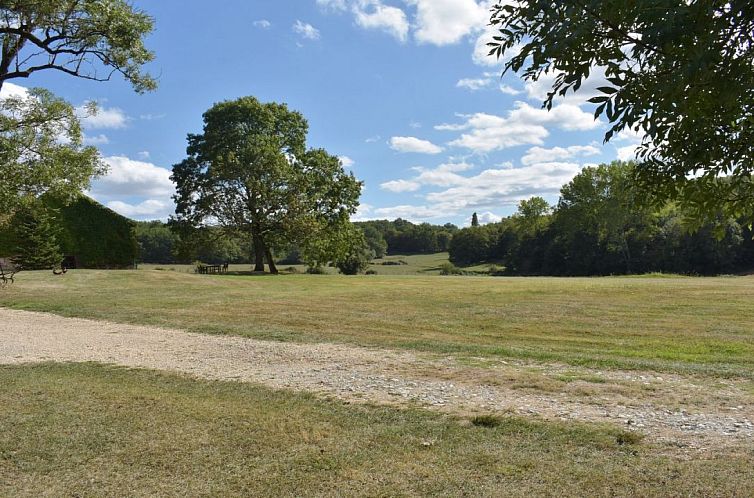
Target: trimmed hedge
{"points": [[96, 236]]}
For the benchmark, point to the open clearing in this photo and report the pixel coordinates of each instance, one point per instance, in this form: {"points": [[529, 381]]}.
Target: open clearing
{"points": [[676, 325], [369, 385], [682, 412]]}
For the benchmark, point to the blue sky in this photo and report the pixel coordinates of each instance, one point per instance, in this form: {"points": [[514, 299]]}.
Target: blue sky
{"points": [[400, 89]]}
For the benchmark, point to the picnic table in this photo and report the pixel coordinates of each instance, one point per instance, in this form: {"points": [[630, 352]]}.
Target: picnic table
{"points": [[208, 269]]}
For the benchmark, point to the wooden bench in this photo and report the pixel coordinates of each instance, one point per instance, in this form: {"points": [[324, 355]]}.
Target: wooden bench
{"points": [[7, 270]]}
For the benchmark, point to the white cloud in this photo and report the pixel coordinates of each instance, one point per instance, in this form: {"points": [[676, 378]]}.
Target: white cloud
{"points": [[12, 90], [96, 140], [489, 133], [144, 154], [149, 209], [494, 188], [485, 192], [474, 84], [443, 22], [541, 155], [104, 118], [373, 139], [413, 144], [487, 218], [408, 212], [129, 178], [398, 186], [445, 175], [306, 30], [346, 161], [509, 90], [262, 23], [333, 4], [523, 125], [375, 15]]}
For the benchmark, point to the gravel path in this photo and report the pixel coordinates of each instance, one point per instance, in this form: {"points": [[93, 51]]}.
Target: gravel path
{"points": [[682, 411]]}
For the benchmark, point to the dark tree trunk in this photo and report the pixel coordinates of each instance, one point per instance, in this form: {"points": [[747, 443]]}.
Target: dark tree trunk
{"points": [[271, 262], [259, 250]]}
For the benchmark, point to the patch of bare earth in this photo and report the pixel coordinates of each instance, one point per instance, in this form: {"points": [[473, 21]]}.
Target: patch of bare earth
{"points": [[696, 413]]}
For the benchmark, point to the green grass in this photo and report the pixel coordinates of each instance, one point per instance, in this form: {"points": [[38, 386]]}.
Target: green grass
{"points": [[418, 264], [87, 430], [700, 325]]}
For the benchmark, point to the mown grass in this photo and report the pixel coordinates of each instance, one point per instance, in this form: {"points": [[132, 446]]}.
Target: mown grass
{"points": [[88, 430], [700, 325]]}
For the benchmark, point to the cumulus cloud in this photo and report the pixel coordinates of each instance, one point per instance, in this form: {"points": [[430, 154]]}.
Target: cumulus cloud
{"points": [[541, 155], [486, 218], [474, 84], [12, 90], [485, 192], [375, 15], [409, 212], [346, 161], [149, 209], [129, 178], [488, 133], [262, 23], [306, 30], [398, 186], [523, 125], [505, 187], [443, 22], [96, 140], [104, 118], [509, 90], [413, 144]]}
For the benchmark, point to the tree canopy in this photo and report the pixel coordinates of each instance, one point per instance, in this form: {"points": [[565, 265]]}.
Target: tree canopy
{"points": [[250, 170], [91, 39], [41, 150], [681, 74]]}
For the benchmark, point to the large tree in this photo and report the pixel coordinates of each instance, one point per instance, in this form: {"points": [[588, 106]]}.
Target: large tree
{"points": [[91, 39], [250, 170], [680, 73], [41, 150]]}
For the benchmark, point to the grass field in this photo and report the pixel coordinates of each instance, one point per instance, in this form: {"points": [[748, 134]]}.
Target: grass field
{"points": [[417, 264], [701, 325], [86, 430]]}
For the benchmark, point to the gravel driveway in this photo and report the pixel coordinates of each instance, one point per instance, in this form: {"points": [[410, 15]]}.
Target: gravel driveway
{"points": [[711, 417]]}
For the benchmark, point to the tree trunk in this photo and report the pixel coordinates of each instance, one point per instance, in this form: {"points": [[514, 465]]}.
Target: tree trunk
{"points": [[259, 250], [271, 262]]}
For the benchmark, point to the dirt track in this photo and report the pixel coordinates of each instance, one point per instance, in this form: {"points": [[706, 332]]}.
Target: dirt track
{"points": [[682, 411]]}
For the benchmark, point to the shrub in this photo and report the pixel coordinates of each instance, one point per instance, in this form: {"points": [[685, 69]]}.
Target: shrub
{"points": [[450, 269], [371, 272], [316, 270]]}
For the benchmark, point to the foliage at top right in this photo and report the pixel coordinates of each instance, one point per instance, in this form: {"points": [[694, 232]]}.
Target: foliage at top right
{"points": [[680, 73]]}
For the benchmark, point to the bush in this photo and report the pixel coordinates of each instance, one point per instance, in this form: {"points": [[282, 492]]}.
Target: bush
{"points": [[450, 269], [371, 272], [316, 270]]}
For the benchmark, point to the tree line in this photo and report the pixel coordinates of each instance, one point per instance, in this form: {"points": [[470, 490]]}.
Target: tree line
{"points": [[605, 223]]}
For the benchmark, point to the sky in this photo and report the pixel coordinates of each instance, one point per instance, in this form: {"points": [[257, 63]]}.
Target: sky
{"points": [[401, 90]]}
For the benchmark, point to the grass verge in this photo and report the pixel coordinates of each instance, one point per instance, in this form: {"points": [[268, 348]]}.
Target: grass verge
{"points": [[88, 430]]}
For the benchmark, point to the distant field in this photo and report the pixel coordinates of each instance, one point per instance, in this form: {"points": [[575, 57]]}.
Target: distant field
{"points": [[88, 430], [687, 325], [428, 264]]}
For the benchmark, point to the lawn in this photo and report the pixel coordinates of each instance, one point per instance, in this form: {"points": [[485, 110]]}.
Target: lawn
{"points": [[686, 325], [88, 430]]}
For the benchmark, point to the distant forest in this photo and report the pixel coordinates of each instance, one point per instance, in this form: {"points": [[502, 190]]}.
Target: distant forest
{"points": [[603, 224]]}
